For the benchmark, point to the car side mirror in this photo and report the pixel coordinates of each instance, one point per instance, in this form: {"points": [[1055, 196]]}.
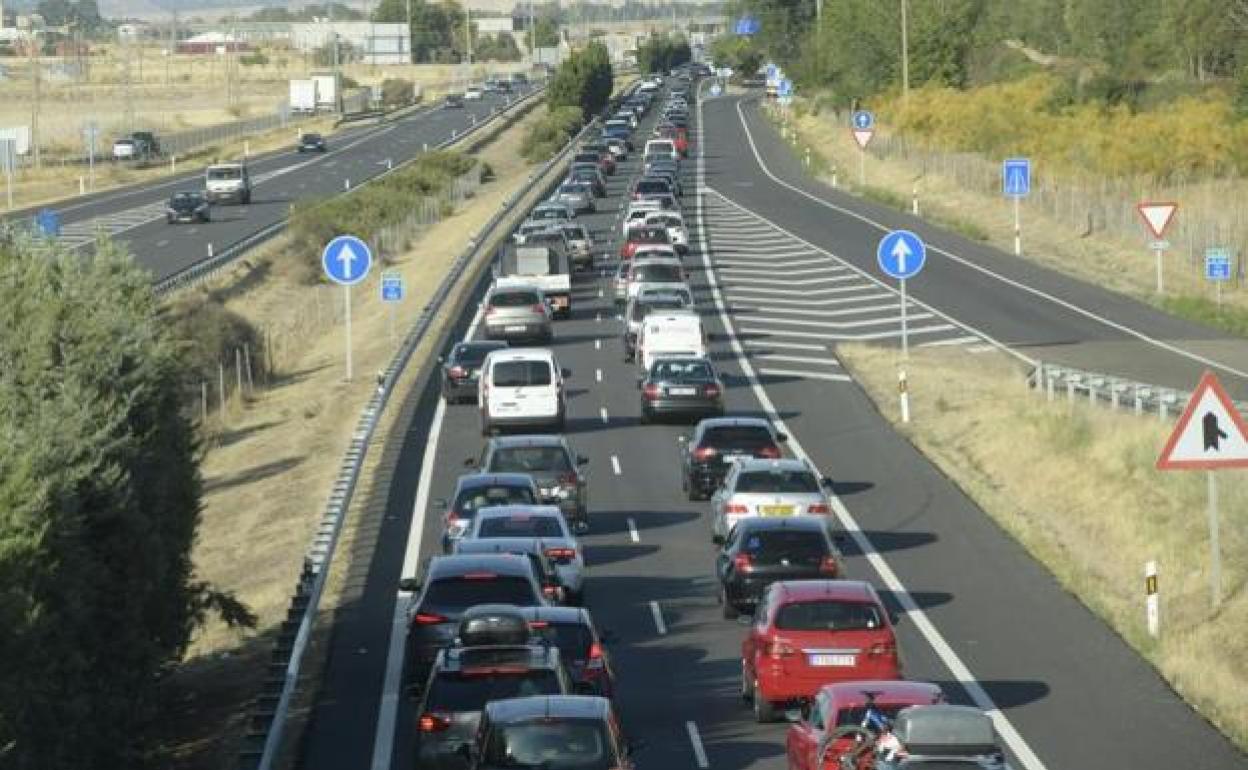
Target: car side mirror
{"points": [[582, 460], [894, 618], [717, 539], [782, 437], [410, 585]]}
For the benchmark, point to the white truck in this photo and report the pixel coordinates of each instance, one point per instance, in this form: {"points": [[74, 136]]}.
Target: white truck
{"points": [[326, 91], [546, 268], [303, 96]]}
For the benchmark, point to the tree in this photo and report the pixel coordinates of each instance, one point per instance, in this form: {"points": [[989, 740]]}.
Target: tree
{"points": [[546, 32], [99, 502], [54, 12]]}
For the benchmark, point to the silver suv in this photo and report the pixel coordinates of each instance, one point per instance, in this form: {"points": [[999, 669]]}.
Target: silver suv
{"points": [[517, 312]]}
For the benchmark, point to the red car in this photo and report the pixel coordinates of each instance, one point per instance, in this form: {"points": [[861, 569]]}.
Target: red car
{"points": [[679, 137], [646, 234], [808, 633], [842, 705]]}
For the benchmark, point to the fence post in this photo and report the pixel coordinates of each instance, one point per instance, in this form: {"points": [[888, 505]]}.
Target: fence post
{"points": [[238, 372], [1139, 404], [221, 388], [251, 385], [203, 402]]}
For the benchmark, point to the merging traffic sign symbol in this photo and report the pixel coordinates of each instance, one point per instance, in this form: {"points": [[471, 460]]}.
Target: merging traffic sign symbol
{"points": [[346, 260], [1157, 216], [1211, 433], [1016, 177], [901, 254]]}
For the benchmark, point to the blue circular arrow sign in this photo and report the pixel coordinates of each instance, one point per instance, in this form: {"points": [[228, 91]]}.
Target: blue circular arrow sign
{"points": [[901, 254], [864, 120], [346, 260]]}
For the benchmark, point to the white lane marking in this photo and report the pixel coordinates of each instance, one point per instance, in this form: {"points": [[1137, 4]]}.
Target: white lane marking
{"points": [[736, 298], [799, 359], [889, 308], [752, 263], [789, 284], [615, 464], [924, 625], [980, 348], [952, 341], [699, 751], [598, 316], [383, 739], [597, 375], [603, 414], [793, 345], [805, 375], [749, 271], [890, 319], [806, 293], [597, 344], [600, 294], [658, 618], [831, 336], [1003, 279], [632, 530]]}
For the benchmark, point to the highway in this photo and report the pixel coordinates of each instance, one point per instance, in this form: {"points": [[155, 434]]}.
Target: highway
{"points": [[135, 216], [979, 616]]}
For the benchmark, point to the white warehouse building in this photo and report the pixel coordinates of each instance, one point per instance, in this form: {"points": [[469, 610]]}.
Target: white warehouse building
{"points": [[378, 43]]}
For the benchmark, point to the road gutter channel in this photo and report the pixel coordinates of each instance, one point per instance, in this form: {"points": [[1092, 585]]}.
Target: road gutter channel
{"points": [[1026, 757]]}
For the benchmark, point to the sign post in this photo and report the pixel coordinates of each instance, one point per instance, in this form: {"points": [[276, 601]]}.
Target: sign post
{"points": [[1016, 184], [1217, 269], [864, 130], [1210, 435], [392, 294], [8, 162], [1157, 217], [901, 254], [1152, 612], [346, 260], [89, 136]]}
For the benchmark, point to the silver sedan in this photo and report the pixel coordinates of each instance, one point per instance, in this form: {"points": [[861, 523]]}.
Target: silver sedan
{"points": [[759, 487]]}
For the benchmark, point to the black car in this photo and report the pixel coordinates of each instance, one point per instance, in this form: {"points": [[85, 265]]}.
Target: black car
{"points": [[552, 464], [461, 369], [552, 731], [706, 455], [474, 491], [452, 585], [454, 101], [648, 186], [188, 207], [312, 143], [581, 645], [762, 550], [681, 387], [532, 548], [494, 656]]}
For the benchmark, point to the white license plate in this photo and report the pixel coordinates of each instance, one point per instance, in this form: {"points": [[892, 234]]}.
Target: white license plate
{"points": [[682, 391], [513, 328], [832, 660]]}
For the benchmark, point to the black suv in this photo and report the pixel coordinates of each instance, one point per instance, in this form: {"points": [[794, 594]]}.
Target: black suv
{"points": [[716, 441], [552, 464], [762, 550], [453, 585], [461, 369], [494, 656], [188, 206], [312, 143], [577, 732]]}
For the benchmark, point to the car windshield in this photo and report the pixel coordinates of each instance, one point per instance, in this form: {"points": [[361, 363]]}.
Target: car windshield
{"points": [[828, 616], [658, 274], [520, 525], [778, 482], [527, 459], [521, 374], [681, 370], [514, 299], [653, 186], [641, 309], [572, 639], [775, 546], [460, 593], [474, 498], [550, 744], [737, 437], [187, 197], [550, 213], [460, 692], [311, 137], [225, 173]]}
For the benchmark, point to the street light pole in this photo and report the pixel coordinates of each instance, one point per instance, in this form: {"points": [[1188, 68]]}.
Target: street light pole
{"points": [[905, 57]]}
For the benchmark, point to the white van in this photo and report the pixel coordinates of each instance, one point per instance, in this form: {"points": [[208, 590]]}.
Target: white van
{"points": [[673, 332], [521, 387], [662, 148]]}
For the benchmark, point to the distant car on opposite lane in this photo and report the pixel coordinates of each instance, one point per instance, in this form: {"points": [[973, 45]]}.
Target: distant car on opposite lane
{"points": [[312, 143]]}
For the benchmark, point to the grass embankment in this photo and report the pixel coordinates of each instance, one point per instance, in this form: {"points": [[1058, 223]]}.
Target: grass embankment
{"points": [[269, 467], [1190, 150], [1076, 486]]}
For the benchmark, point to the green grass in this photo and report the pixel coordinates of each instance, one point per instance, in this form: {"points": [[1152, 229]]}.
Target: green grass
{"points": [[1205, 311]]}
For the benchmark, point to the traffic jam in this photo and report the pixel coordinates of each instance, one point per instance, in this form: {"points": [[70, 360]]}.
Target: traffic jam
{"points": [[504, 663]]}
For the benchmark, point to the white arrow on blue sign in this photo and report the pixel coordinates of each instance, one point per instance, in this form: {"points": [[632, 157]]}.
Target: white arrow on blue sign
{"points": [[864, 120], [346, 260], [901, 254], [1016, 177]]}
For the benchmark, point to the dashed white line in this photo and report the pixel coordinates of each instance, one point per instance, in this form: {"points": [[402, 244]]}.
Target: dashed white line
{"points": [[597, 344], [598, 317], [615, 464], [658, 618], [603, 414], [632, 530], [161, 244], [699, 751], [793, 345], [597, 375], [805, 375]]}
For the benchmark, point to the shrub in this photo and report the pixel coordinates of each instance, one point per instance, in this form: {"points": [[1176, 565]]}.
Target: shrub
{"points": [[253, 59], [396, 92], [209, 333], [545, 137]]}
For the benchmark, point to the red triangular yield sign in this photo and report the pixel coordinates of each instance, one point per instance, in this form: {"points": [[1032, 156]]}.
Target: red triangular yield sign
{"points": [[863, 138], [1210, 434], [1157, 216]]}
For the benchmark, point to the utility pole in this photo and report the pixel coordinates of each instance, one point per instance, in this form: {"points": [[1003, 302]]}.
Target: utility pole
{"points": [[34, 84], [333, 38], [468, 31], [411, 55], [905, 57]]}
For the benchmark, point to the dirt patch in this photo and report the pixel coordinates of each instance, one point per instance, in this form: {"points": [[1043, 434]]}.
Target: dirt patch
{"points": [[1075, 484]]}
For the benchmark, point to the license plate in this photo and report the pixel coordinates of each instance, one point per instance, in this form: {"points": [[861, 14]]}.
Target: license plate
{"points": [[682, 391], [776, 510], [832, 660], [513, 328]]}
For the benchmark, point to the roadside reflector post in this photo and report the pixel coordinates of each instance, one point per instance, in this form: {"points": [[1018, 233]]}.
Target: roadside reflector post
{"points": [[1113, 397], [424, 147], [903, 392], [82, 185], [1151, 608], [914, 200], [210, 249], [246, 149], [1070, 391], [346, 184], [835, 178], [807, 157], [1050, 382]]}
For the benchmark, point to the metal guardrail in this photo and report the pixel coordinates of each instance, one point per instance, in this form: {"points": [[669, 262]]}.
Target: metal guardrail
{"points": [[208, 267], [1107, 390], [267, 720]]}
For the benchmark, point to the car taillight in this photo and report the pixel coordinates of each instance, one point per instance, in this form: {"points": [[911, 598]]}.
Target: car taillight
{"points": [[596, 657], [457, 372], [650, 392], [428, 619], [778, 648], [735, 508], [434, 723], [561, 554], [828, 565], [567, 479], [539, 623], [882, 648], [743, 562], [539, 308], [770, 452], [479, 576], [704, 453], [711, 391], [817, 508], [550, 592]]}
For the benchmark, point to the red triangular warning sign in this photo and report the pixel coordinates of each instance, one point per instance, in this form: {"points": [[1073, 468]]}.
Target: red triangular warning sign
{"points": [[863, 137], [1210, 434], [1157, 216]]}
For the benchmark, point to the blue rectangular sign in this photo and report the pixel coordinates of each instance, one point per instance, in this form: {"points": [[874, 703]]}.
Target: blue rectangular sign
{"points": [[392, 288], [1217, 264], [1016, 177]]}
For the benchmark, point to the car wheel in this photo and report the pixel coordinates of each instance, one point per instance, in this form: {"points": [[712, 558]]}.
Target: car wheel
{"points": [[764, 712], [728, 610], [747, 692], [645, 417], [169, 220]]}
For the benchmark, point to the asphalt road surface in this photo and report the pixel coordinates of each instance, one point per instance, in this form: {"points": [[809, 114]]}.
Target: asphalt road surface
{"points": [[136, 216], [979, 616]]}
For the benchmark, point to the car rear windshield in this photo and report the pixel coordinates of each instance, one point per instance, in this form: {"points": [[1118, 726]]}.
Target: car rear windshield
{"points": [[572, 639], [550, 213], [658, 274], [641, 309], [855, 714], [550, 744], [514, 298], [774, 546], [737, 437], [530, 459], [653, 186], [828, 616], [460, 593], [481, 497], [649, 234], [778, 481], [520, 374], [520, 525], [684, 371], [469, 691]]}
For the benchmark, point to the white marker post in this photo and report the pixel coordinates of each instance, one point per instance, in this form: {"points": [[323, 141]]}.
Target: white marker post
{"points": [[1151, 609], [1016, 184], [903, 391]]}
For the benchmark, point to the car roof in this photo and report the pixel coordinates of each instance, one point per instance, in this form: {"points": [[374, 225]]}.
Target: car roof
{"points": [[840, 590], [538, 706], [498, 563], [507, 511], [521, 354], [772, 523], [778, 464], [474, 480], [528, 439]]}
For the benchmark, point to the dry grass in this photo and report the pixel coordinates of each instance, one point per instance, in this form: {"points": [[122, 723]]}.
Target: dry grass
{"points": [[1076, 486]]}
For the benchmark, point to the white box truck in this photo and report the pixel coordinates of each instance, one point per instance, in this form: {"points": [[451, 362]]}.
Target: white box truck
{"points": [[541, 266], [303, 96], [326, 91]]}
